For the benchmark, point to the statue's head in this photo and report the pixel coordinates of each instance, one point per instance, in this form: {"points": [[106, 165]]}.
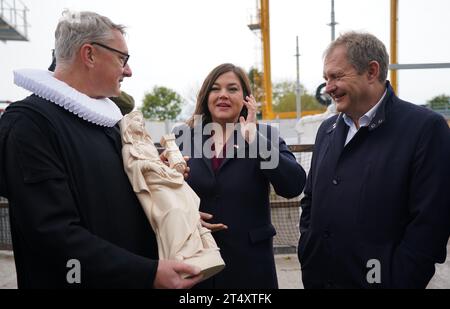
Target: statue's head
{"points": [[132, 126]]}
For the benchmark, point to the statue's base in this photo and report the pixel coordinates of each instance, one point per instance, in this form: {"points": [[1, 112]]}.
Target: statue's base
{"points": [[210, 263]]}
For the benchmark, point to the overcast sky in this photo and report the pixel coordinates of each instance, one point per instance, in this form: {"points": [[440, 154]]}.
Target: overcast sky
{"points": [[175, 43]]}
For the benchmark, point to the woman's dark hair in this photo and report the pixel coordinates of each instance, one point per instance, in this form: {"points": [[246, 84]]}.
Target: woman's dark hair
{"points": [[201, 108]]}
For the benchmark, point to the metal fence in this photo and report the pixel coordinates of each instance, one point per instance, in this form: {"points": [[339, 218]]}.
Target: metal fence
{"points": [[285, 212], [5, 234]]}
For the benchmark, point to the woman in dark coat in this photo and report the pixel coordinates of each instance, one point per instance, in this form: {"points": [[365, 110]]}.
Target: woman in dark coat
{"points": [[233, 162]]}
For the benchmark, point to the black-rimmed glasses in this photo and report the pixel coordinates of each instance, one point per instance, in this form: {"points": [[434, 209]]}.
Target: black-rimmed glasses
{"points": [[125, 55]]}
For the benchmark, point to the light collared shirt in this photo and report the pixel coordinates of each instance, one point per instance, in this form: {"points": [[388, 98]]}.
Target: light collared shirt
{"points": [[364, 121]]}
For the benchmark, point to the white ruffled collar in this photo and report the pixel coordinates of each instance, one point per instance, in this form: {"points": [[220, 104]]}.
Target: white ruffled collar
{"points": [[102, 112]]}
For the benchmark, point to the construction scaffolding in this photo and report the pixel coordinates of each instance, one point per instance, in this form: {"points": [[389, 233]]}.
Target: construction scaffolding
{"points": [[259, 24], [13, 21]]}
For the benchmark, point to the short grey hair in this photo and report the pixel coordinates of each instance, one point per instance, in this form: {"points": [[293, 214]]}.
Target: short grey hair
{"points": [[77, 28], [362, 48]]}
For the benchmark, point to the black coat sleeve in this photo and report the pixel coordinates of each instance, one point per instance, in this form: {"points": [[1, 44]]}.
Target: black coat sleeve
{"points": [[305, 204], [279, 164], [47, 222]]}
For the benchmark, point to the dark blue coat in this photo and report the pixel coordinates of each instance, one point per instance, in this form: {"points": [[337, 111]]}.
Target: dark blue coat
{"points": [[238, 196], [384, 196]]}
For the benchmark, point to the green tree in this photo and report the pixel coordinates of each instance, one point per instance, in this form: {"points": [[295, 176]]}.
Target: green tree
{"points": [[439, 102], [284, 98], [256, 83], [161, 104]]}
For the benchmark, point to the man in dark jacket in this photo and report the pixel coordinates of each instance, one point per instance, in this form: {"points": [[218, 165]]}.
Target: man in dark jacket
{"points": [[75, 220], [376, 211]]}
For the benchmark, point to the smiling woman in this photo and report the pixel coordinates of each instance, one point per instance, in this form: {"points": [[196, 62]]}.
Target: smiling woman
{"points": [[227, 172], [226, 98], [231, 84]]}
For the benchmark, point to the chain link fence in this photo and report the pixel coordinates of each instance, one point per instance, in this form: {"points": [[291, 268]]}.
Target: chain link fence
{"points": [[5, 233], [286, 212]]}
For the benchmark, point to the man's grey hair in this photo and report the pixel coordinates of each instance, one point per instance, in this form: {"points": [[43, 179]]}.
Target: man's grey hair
{"points": [[362, 48], [77, 28]]}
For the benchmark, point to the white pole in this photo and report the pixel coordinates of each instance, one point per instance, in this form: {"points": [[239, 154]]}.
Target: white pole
{"points": [[15, 13], [298, 96], [333, 22], [298, 87]]}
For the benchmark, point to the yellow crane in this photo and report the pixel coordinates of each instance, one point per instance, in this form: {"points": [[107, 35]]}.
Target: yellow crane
{"points": [[394, 32], [262, 24], [395, 66]]}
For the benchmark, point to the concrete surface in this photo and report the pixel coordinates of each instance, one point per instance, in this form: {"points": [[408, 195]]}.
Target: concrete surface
{"points": [[7, 270], [288, 269]]}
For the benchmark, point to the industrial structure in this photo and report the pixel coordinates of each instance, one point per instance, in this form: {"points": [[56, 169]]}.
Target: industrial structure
{"points": [[13, 27], [13, 21], [395, 66], [261, 26]]}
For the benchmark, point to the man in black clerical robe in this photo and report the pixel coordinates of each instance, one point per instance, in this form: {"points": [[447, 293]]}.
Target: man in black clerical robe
{"points": [[75, 220]]}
